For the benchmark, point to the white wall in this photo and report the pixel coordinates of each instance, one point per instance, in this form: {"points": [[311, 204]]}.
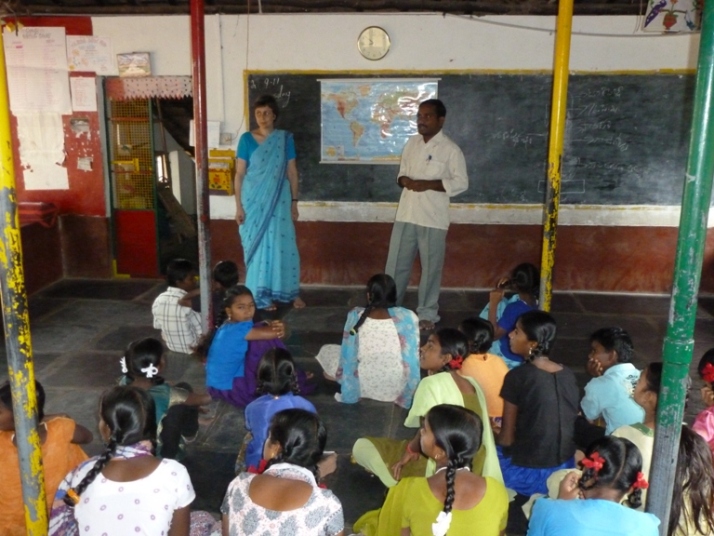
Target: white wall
{"points": [[420, 42]]}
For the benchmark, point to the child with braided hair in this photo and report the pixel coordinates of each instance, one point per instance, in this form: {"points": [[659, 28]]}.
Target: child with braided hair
{"points": [[612, 470], [176, 406], [540, 406], [442, 357], [454, 500], [379, 355], [125, 490]]}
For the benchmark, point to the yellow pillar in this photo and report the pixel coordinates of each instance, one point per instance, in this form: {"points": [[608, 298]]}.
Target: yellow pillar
{"points": [[17, 329], [555, 148]]}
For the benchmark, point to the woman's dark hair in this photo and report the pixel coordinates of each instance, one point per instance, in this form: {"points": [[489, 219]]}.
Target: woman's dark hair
{"points": [[178, 270], [693, 493], [622, 462], [458, 432], [539, 327], [654, 376], [479, 333], [6, 398], [270, 102], [276, 373], [301, 436], [617, 340], [381, 294], [225, 273], [130, 415], [453, 343], [141, 356], [707, 359], [526, 278], [204, 343]]}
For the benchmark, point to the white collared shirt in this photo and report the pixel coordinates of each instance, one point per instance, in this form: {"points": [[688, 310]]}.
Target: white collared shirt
{"points": [[439, 159], [180, 326]]}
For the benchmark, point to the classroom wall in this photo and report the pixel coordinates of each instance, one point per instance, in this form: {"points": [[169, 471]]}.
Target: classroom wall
{"points": [[611, 248]]}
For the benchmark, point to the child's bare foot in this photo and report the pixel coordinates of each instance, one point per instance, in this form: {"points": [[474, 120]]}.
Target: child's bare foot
{"points": [[298, 303], [271, 307]]}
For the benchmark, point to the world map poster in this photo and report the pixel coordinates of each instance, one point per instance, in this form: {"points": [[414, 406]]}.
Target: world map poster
{"points": [[368, 121]]}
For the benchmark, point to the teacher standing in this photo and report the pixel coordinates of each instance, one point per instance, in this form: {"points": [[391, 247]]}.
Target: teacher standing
{"points": [[266, 190]]}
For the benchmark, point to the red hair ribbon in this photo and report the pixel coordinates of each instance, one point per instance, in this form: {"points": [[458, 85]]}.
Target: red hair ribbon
{"points": [[594, 461], [641, 482], [708, 373], [456, 362]]}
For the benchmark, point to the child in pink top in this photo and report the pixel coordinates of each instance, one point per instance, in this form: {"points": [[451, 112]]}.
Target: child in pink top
{"points": [[704, 423]]}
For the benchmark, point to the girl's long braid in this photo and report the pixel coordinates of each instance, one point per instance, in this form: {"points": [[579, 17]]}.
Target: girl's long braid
{"points": [[450, 485], [367, 310], [72, 497]]}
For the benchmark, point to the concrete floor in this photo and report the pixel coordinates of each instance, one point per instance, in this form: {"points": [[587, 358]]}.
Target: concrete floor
{"points": [[80, 329]]}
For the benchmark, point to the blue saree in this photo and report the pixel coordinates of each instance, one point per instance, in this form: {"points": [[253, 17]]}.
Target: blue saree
{"points": [[268, 234]]}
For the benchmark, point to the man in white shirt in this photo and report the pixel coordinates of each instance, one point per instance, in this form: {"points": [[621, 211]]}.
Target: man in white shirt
{"points": [[432, 170]]}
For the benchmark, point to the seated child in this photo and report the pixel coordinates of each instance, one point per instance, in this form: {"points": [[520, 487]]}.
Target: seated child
{"points": [[609, 394], [590, 503], [487, 369], [704, 422], [277, 382], [225, 275], [503, 312], [451, 501], [60, 437], [180, 325], [379, 354], [176, 407], [233, 351]]}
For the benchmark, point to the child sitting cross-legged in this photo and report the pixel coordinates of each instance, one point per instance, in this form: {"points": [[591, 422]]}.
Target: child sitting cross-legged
{"points": [[60, 438], [589, 504], [224, 276], [277, 382], [176, 407], [704, 422]]}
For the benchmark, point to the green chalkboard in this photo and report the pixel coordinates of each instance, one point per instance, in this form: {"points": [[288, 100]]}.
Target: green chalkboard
{"points": [[626, 138]]}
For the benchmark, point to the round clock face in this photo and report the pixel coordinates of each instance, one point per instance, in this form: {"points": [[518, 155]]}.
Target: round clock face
{"points": [[373, 43]]}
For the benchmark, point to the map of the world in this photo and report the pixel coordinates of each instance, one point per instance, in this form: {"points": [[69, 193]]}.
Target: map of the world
{"points": [[369, 121]]}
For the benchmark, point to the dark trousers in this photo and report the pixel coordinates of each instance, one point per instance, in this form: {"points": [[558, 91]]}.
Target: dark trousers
{"points": [[180, 420], [586, 432]]}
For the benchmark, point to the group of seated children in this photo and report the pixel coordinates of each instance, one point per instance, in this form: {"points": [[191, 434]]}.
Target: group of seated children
{"points": [[485, 423]]}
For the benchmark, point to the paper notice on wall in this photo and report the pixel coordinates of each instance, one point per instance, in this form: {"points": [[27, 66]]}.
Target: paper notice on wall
{"points": [[84, 93], [41, 137], [213, 133], [91, 53], [38, 79]]}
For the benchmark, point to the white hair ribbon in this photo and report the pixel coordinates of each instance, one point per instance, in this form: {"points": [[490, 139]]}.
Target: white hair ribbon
{"points": [[150, 371], [442, 524], [122, 362]]}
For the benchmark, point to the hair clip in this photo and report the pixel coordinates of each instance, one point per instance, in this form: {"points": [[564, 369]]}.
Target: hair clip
{"points": [[72, 496], [708, 373], [456, 362], [353, 332], [122, 362], [641, 482], [594, 461], [442, 524], [150, 371]]}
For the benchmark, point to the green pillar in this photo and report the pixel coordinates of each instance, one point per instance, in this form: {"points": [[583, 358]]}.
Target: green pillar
{"points": [[679, 341]]}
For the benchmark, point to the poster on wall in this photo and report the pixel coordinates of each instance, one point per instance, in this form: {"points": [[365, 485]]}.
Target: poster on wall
{"points": [[368, 121], [91, 53], [38, 79], [672, 16], [84, 93], [41, 137]]}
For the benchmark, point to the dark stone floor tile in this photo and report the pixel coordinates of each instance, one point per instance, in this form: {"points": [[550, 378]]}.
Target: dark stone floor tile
{"points": [[308, 344], [40, 307], [318, 319], [118, 339], [150, 295], [64, 337], [581, 326], [112, 312], [82, 405], [83, 369], [225, 433], [99, 289], [211, 473], [334, 297], [41, 361], [358, 491], [565, 302], [629, 304]]}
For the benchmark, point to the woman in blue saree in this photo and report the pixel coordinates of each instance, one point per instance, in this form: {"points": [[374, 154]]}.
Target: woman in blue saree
{"points": [[266, 190]]}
